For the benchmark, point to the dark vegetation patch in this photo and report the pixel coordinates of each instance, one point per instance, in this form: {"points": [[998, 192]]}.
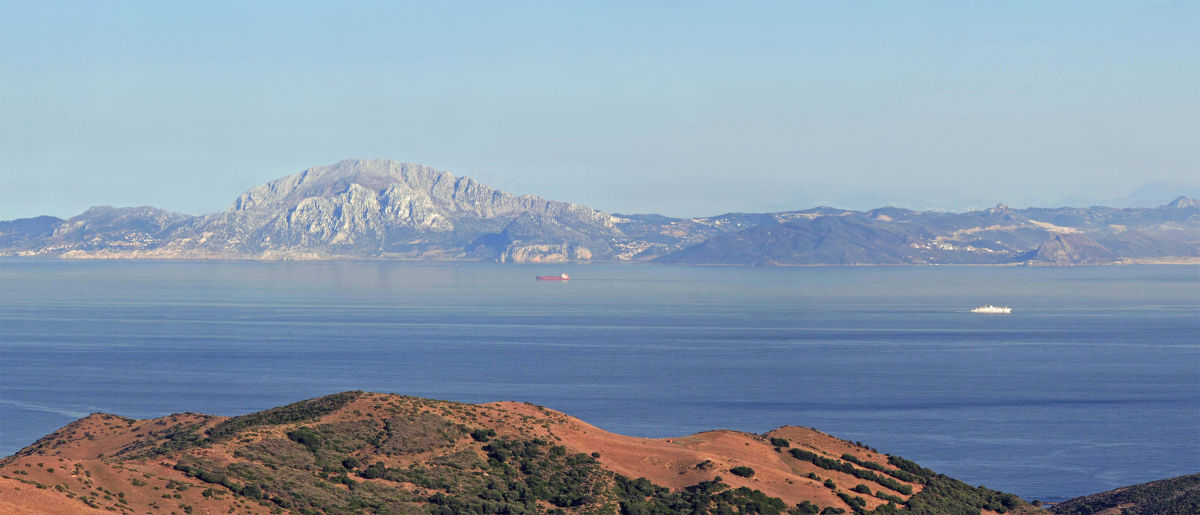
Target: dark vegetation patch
{"points": [[944, 494], [1175, 495], [350, 436], [482, 435], [948, 495], [421, 432], [461, 460], [841, 466], [857, 504], [297, 490], [742, 471], [889, 497], [302, 411], [512, 476], [177, 437], [515, 478], [278, 452], [641, 497], [910, 467], [940, 495]]}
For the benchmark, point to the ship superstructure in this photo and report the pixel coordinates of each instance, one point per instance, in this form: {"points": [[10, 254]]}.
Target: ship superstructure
{"points": [[992, 310]]}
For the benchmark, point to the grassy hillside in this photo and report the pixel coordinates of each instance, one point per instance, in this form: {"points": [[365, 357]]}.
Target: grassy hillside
{"points": [[357, 452]]}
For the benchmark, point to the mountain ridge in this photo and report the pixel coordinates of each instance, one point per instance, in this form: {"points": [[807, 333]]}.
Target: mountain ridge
{"points": [[384, 209]]}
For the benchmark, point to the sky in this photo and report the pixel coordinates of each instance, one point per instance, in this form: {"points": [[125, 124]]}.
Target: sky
{"points": [[679, 108]]}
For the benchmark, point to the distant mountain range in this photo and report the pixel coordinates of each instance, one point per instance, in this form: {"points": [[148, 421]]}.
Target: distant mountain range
{"points": [[382, 209]]}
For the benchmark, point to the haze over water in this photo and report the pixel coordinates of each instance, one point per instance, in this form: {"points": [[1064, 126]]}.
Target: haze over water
{"points": [[1092, 383]]}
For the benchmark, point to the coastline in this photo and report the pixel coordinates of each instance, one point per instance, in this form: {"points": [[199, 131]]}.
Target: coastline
{"points": [[312, 257]]}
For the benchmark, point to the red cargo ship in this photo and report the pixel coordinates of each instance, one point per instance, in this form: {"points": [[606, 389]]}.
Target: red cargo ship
{"points": [[562, 277]]}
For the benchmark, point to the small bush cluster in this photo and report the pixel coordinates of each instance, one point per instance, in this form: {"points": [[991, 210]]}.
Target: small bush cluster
{"points": [[310, 409], [840, 466], [482, 435], [742, 471], [641, 497]]}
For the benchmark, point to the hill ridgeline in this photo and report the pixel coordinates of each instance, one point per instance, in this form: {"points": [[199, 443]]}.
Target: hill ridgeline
{"points": [[357, 452]]}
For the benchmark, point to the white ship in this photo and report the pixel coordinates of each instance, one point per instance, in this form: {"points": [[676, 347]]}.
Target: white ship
{"points": [[992, 310]]}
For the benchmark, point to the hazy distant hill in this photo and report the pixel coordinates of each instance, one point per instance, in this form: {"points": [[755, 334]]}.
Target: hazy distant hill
{"points": [[27, 232], [357, 452], [1061, 236], [388, 210]]}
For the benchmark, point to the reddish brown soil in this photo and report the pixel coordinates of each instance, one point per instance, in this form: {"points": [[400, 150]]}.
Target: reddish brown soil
{"points": [[79, 468]]}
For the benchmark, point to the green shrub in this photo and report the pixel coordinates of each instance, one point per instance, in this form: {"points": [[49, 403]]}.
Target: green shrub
{"points": [[742, 470], [856, 503], [307, 437], [910, 467], [803, 455], [640, 496], [888, 497], [295, 412], [376, 470], [252, 492], [482, 435], [806, 508], [947, 495], [868, 464], [832, 464]]}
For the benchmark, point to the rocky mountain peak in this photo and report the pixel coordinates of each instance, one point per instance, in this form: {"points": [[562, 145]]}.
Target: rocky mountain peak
{"points": [[1073, 249], [380, 207], [1181, 202], [335, 179]]}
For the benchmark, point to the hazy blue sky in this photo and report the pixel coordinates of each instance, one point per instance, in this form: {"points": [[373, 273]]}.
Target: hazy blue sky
{"points": [[683, 108]]}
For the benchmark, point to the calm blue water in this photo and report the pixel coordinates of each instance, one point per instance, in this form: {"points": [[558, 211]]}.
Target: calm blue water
{"points": [[1092, 383]]}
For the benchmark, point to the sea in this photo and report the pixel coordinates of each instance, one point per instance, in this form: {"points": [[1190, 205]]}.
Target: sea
{"points": [[1091, 383]]}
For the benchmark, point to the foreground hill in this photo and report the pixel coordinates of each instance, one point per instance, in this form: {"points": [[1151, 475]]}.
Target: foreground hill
{"points": [[1175, 495], [381, 209], [358, 452]]}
